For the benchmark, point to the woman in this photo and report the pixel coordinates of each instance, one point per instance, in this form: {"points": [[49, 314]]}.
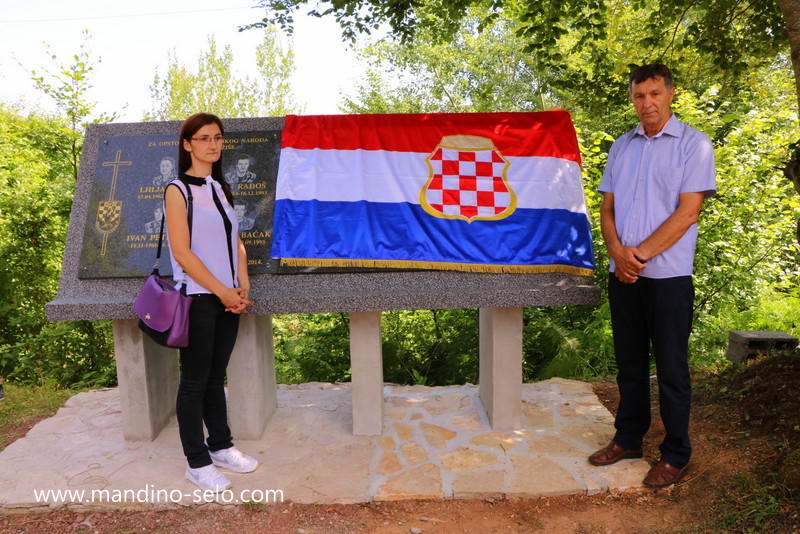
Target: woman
{"points": [[167, 168], [210, 259]]}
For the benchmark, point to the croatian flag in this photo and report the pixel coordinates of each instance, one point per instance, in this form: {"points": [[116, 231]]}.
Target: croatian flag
{"points": [[482, 192]]}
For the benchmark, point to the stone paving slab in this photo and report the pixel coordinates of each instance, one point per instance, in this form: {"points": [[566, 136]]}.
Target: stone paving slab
{"points": [[436, 444]]}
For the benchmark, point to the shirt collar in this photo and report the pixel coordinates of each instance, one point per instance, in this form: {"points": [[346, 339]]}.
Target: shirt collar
{"points": [[672, 127]]}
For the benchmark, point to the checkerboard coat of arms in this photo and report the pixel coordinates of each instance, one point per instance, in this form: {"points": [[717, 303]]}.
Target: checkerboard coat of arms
{"points": [[467, 181], [108, 216]]}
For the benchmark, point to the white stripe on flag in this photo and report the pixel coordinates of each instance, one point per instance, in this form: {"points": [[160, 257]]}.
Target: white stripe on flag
{"points": [[354, 175]]}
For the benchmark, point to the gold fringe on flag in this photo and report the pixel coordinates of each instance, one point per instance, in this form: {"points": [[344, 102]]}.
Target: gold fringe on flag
{"points": [[438, 266]]}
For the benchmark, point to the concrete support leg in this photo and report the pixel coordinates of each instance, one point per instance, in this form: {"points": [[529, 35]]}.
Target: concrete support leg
{"points": [[252, 394], [500, 373], [148, 381], [366, 364]]}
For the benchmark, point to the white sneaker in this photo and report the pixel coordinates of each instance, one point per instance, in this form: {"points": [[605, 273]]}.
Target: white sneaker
{"points": [[234, 459], [207, 478]]}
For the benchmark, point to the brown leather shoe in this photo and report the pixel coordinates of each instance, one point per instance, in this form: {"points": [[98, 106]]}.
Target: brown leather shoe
{"points": [[612, 454], [663, 474]]}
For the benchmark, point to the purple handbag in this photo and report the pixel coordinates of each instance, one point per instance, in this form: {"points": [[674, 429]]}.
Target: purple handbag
{"points": [[163, 312]]}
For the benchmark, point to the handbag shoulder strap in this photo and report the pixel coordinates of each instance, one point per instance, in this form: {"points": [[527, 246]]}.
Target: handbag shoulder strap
{"points": [[189, 201]]}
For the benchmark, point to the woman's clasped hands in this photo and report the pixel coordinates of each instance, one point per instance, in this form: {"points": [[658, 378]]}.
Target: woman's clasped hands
{"points": [[236, 300]]}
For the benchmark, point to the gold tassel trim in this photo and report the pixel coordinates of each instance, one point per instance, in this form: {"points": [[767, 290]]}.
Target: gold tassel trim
{"points": [[438, 266]]}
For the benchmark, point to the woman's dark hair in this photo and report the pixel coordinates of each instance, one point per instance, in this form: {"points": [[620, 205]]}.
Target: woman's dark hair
{"points": [[190, 127], [653, 71]]}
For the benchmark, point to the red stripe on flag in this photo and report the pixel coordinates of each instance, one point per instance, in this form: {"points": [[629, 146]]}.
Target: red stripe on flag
{"points": [[543, 133]]}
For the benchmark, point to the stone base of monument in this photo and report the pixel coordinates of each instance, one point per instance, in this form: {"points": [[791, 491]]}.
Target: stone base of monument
{"points": [[148, 375], [436, 443]]}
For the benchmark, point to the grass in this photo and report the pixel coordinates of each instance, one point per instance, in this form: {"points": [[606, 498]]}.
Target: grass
{"points": [[24, 406], [751, 505]]}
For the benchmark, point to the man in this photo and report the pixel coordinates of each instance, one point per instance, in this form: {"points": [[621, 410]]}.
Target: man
{"points": [[241, 175], [654, 184], [240, 210], [154, 226]]}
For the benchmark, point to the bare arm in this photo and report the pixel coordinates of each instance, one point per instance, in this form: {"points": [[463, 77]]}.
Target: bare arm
{"points": [[178, 228]]}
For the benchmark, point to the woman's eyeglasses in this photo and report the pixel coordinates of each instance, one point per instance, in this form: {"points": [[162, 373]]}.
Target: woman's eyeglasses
{"points": [[207, 139]]}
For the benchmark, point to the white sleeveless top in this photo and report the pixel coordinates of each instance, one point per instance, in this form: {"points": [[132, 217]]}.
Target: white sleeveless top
{"points": [[208, 238]]}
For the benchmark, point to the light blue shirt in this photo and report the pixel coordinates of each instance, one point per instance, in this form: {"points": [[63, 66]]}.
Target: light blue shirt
{"points": [[647, 175]]}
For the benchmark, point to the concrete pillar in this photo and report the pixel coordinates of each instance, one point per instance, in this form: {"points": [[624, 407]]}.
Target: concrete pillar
{"points": [[252, 393], [148, 381], [366, 363], [500, 369]]}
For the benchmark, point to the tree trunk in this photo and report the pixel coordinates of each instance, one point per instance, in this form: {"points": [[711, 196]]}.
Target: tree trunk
{"points": [[791, 13]]}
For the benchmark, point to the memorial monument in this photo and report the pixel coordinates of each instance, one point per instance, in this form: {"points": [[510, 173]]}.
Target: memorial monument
{"points": [[111, 248]]}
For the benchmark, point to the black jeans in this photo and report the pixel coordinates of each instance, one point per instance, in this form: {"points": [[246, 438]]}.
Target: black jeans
{"points": [[201, 393], [657, 311]]}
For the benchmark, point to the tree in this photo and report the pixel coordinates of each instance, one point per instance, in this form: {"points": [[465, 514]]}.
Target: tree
{"points": [[276, 66], [215, 88], [474, 72], [67, 87]]}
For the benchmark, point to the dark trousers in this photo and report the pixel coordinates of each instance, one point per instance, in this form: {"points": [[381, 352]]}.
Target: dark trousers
{"points": [[201, 392], [657, 312]]}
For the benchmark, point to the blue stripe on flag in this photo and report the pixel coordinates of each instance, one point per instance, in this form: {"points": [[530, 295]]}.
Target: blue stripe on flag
{"points": [[405, 232]]}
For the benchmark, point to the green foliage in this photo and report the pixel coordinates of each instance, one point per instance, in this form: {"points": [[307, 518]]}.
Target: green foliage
{"points": [[746, 254], [570, 342], [312, 347], [275, 66], [734, 36], [35, 200], [70, 353], [421, 347], [365, 16], [214, 88], [39, 157], [430, 347], [753, 506]]}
